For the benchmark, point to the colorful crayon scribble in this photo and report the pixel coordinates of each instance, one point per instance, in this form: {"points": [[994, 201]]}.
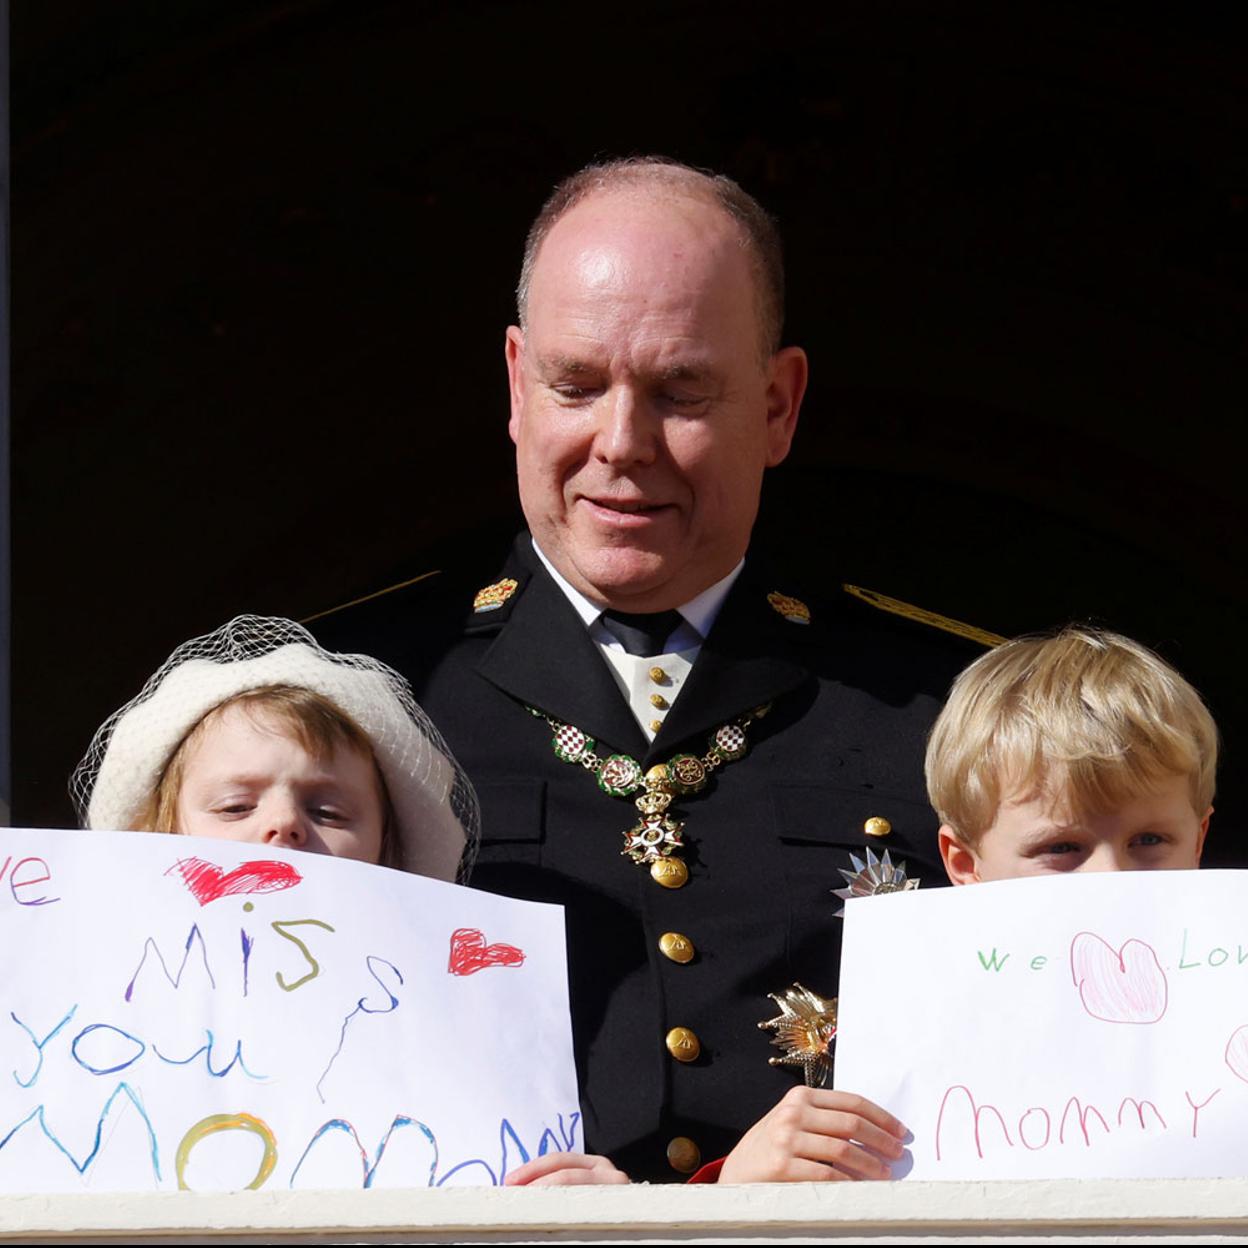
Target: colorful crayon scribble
{"points": [[470, 953], [1236, 1055], [1123, 985], [228, 1122], [38, 1114], [150, 946], [207, 882], [362, 1007], [39, 1045], [370, 1169], [206, 1050], [280, 928]]}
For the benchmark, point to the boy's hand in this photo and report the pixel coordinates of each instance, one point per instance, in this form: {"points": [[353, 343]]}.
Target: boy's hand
{"points": [[565, 1170], [814, 1134]]}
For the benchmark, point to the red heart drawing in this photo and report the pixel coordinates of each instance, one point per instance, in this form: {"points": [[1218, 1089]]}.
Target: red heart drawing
{"points": [[1124, 985], [470, 953], [207, 881]]}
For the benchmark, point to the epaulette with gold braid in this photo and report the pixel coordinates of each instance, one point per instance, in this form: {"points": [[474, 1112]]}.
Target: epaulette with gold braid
{"points": [[896, 607], [380, 593]]}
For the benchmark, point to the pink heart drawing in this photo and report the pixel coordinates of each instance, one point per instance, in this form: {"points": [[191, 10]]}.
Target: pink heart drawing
{"points": [[1124, 985], [1237, 1053], [470, 953]]}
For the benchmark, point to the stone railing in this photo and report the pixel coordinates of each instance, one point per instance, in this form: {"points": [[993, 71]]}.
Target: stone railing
{"points": [[1090, 1211]]}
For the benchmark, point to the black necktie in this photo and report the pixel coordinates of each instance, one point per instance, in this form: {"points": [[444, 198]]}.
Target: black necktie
{"points": [[643, 635]]}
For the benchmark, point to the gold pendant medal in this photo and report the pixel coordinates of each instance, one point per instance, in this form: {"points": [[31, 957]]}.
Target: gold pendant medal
{"points": [[655, 840]]}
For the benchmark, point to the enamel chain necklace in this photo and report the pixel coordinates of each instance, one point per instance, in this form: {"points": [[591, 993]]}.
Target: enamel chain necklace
{"points": [[654, 840]]}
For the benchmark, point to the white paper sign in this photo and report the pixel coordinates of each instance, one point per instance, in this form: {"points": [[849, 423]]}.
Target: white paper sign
{"points": [[181, 1012], [1083, 1026]]}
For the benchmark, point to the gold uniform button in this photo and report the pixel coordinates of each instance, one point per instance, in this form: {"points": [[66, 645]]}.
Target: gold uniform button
{"points": [[670, 872], [658, 675], [659, 701], [877, 825], [683, 1045], [677, 947], [655, 725], [683, 1155]]}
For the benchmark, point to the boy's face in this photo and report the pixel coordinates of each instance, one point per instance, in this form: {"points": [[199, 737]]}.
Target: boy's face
{"points": [[1037, 835], [245, 779]]}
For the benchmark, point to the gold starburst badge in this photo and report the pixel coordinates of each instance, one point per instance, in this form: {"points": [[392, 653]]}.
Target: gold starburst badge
{"points": [[875, 876], [805, 1029]]}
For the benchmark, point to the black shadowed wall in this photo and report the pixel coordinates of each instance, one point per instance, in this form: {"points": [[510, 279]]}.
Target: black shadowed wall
{"points": [[263, 256]]}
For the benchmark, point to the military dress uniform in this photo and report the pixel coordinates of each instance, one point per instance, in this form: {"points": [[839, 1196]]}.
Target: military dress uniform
{"points": [[669, 983]]}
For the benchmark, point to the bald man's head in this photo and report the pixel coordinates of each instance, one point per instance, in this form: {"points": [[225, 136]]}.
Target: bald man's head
{"points": [[659, 178]]}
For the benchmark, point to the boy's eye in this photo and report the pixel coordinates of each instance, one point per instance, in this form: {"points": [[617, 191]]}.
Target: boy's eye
{"points": [[1149, 839], [1061, 847]]}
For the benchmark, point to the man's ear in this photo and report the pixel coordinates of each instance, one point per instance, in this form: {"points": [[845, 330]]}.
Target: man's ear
{"points": [[1204, 831], [788, 371], [961, 865], [513, 349]]}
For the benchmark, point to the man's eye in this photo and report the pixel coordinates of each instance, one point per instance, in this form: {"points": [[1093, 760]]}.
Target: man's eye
{"points": [[572, 394], [684, 400]]}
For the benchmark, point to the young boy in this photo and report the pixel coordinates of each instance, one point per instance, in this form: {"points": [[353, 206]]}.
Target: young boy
{"points": [[1083, 751], [1078, 752]]}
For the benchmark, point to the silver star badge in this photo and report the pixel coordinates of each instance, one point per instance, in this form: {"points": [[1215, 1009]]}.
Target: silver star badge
{"points": [[875, 876]]}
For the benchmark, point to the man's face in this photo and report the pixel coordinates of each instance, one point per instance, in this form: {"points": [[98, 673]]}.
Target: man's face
{"points": [[642, 412], [1035, 835]]}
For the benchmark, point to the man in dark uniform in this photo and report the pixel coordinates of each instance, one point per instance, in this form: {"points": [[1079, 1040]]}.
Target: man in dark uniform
{"points": [[666, 741]]}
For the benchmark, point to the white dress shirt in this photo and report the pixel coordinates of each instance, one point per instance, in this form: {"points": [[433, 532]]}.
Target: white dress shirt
{"points": [[650, 685]]}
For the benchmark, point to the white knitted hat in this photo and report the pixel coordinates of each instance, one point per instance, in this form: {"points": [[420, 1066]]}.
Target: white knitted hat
{"points": [[436, 809]]}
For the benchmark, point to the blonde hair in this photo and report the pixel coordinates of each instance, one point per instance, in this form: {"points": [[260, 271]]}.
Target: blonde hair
{"points": [[310, 719], [1085, 714]]}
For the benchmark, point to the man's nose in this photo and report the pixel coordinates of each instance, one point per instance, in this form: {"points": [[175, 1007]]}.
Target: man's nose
{"points": [[284, 824], [627, 429]]}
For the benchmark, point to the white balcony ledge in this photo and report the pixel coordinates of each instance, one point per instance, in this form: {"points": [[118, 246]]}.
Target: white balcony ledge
{"points": [[1088, 1211]]}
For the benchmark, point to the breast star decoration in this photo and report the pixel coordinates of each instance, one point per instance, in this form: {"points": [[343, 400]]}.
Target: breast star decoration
{"points": [[805, 1029], [873, 877]]}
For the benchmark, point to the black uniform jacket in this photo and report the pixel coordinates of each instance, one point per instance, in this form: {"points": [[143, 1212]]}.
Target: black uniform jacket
{"points": [[852, 693]]}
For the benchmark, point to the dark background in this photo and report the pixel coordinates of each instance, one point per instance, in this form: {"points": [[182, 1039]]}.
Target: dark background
{"points": [[263, 256]]}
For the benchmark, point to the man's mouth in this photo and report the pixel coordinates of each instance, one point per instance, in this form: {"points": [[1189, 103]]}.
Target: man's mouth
{"points": [[628, 508], [624, 510]]}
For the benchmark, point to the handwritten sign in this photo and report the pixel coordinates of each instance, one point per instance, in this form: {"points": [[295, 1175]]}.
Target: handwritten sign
{"points": [[186, 1013], [1084, 1026]]}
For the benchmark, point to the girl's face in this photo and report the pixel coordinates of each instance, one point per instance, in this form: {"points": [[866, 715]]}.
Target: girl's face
{"points": [[246, 779]]}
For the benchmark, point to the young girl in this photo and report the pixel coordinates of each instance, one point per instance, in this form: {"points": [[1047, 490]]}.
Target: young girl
{"points": [[256, 733]]}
